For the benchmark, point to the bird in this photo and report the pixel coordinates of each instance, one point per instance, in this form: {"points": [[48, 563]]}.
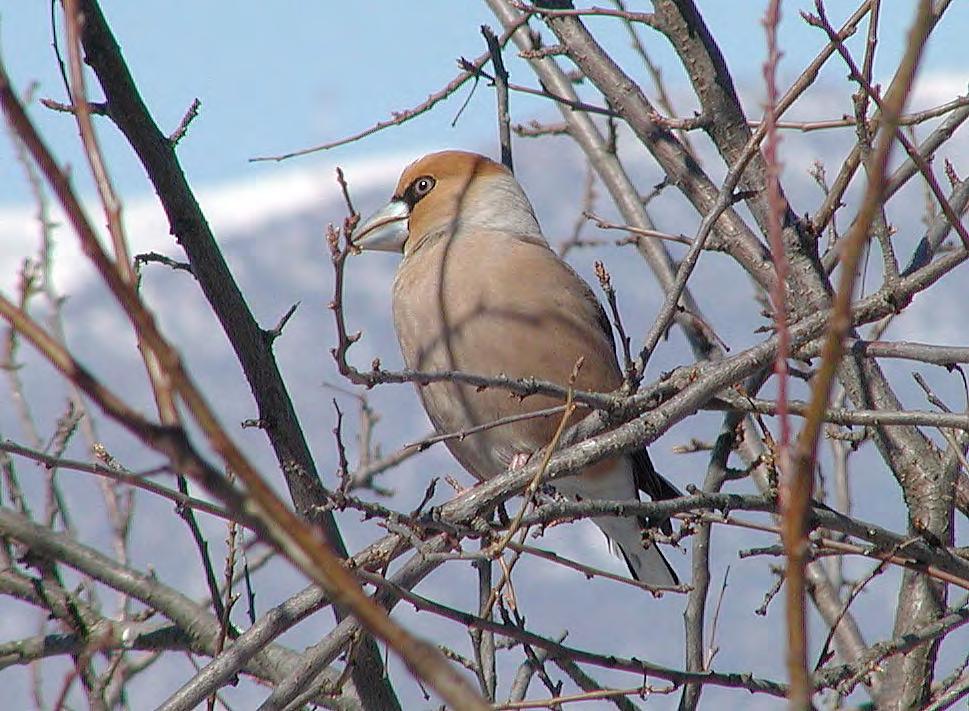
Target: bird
{"points": [[479, 290]]}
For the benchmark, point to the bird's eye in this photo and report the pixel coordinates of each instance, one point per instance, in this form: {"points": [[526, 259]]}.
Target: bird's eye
{"points": [[422, 186]]}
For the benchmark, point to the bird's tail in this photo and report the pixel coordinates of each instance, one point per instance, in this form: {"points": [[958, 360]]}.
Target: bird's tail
{"points": [[646, 563], [621, 479]]}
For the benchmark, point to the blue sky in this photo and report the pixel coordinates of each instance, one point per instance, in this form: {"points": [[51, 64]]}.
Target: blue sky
{"points": [[279, 76]]}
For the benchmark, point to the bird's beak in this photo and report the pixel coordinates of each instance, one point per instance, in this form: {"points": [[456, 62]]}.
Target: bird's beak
{"points": [[385, 230]]}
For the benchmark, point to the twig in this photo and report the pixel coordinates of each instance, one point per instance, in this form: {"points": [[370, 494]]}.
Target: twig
{"points": [[343, 466], [646, 18], [846, 676], [804, 455], [856, 589], [656, 234], [276, 331], [501, 92], [656, 75], [598, 694], [123, 266], [529, 493], [228, 576], [148, 257], [605, 282], [775, 228], [179, 133], [400, 117], [713, 648], [592, 572], [120, 475], [843, 416], [892, 119], [693, 615], [557, 650], [482, 640], [847, 121], [203, 549]]}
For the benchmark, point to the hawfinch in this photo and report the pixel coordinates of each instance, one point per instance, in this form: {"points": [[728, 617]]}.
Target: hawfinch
{"points": [[479, 291]]}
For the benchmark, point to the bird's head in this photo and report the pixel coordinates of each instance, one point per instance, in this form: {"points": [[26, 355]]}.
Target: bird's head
{"points": [[444, 193]]}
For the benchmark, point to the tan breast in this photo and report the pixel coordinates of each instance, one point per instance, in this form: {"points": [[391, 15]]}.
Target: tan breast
{"points": [[490, 304]]}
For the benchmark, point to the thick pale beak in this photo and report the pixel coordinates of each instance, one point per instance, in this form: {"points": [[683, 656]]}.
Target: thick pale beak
{"points": [[386, 230]]}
